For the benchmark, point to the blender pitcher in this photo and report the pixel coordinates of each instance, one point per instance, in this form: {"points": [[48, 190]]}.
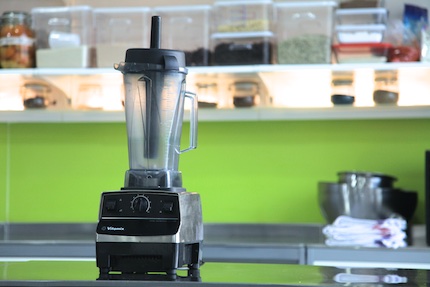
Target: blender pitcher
{"points": [[154, 82]]}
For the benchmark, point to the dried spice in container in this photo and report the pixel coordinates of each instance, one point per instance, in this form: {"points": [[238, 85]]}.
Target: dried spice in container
{"points": [[17, 43], [306, 49], [245, 26]]}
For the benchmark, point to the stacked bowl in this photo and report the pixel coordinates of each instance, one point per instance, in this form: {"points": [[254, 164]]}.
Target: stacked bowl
{"points": [[365, 195]]}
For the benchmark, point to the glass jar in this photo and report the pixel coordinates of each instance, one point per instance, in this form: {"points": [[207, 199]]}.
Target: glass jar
{"points": [[17, 43], [342, 88], [208, 95], [386, 87]]}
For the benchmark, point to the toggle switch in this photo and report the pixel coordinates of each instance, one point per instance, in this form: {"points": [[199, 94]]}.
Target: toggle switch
{"points": [[110, 205], [168, 207]]}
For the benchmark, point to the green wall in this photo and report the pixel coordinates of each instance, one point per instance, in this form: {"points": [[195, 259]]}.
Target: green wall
{"points": [[244, 171]]}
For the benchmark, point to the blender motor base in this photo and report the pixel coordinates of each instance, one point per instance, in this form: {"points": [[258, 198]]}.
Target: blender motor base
{"points": [[148, 261]]}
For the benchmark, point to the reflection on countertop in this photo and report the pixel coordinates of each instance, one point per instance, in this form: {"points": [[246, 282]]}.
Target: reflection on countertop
{"points": [[84, 273]]}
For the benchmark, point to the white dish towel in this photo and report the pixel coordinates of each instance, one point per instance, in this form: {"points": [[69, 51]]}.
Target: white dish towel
{"points": [[348, 231]]}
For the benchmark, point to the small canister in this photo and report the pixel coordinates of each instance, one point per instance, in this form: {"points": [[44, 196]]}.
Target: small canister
{"points": [[386, 87], [17, 43], [342, 88]]}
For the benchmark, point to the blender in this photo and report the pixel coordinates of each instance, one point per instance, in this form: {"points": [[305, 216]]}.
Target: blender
{"points": [[152, 227]]}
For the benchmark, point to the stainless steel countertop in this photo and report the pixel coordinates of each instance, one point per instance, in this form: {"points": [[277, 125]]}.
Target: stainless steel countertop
{"points": [[270, 243], [241, 243]]}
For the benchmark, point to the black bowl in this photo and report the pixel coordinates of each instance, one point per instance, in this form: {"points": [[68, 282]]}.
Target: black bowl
{"points": [[342, 99], [246, 101], [385, 97]]}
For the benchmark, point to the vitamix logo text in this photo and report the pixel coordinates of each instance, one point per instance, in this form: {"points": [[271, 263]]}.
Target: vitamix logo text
{"points": [[113, 228]]}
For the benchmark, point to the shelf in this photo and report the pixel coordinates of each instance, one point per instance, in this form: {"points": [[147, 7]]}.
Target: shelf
{"points": [[219, 115], [225, 69], [285, 82], [329, 113]]}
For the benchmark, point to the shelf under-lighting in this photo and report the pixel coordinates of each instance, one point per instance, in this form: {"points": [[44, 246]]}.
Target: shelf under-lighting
{"points": [[219, 115]]}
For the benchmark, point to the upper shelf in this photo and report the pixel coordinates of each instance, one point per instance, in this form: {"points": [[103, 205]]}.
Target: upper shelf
{"points": [[227, 69]]}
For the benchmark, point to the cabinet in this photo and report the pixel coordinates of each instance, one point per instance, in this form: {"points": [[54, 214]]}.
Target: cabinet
{"points": [[288, 92]]}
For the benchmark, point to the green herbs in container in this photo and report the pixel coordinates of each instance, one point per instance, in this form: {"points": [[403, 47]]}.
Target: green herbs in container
{"points": [[305, 49], [304, 31]]}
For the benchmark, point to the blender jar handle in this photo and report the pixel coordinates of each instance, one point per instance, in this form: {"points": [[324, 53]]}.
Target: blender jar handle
{"points": [[193, 121]]}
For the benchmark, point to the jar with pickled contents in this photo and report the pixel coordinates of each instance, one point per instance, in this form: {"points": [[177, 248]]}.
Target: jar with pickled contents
{"points": [[17, 43]]}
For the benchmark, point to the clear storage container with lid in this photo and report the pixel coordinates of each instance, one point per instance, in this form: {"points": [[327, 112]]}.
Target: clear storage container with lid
{"points": [[64, 36], [360, 33], [243, 16], [16, 40], [361, 52], [187, 28], [304, 32], [118, 29], [361, 16]]}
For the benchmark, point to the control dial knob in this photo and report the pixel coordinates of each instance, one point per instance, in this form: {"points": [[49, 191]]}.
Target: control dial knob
{"points": [[140, 203]]}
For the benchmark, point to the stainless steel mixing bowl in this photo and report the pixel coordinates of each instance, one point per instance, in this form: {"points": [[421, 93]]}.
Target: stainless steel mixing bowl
{"points": [[337, 199]]}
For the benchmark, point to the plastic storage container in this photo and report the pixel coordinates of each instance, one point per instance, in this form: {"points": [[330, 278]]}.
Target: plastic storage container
{"points": [[361, 52], [357, 4], [245, 48], [304, 32], [243, 16], [361, 16], [360, 33], [63, 36], [187, 28], [118, 29]]}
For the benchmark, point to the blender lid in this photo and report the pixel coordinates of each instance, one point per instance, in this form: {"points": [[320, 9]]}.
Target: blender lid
{"points": [[154, 58]]}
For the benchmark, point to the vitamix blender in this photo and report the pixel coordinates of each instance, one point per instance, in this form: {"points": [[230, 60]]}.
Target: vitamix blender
{"points": [[153, 226]]}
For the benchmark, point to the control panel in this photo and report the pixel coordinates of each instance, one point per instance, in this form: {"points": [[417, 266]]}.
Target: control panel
{"points": [[142, 204], [139, 213]]}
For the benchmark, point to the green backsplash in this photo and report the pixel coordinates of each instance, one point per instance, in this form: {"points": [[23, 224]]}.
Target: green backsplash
{"points": [[264, 171]]}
